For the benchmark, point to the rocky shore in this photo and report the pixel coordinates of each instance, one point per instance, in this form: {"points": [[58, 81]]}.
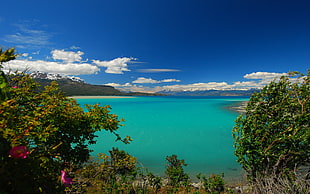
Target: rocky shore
{"points": [[238, 107]]}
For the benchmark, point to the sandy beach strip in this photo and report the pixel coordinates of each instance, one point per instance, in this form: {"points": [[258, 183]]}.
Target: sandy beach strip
{"points": [[93, 97]]}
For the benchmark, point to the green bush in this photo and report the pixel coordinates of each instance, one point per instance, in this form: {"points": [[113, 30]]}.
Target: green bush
{"points": [[175, 172], [107, 173], [43, 133], [213, 184], [154, 182], [272, 138]]}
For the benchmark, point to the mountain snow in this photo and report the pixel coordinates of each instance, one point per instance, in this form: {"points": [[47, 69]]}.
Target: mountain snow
{"points": [[53, 76]]}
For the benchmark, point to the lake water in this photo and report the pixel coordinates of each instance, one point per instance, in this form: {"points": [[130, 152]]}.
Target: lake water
{"points": [[196, 129]]}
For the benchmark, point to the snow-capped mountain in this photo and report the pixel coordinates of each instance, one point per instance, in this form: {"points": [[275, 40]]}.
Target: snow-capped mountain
{"points": [[75, 86], [53, 76]]}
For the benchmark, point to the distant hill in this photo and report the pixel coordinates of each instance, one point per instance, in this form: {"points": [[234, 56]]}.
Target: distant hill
{"points": [[73, 86]]}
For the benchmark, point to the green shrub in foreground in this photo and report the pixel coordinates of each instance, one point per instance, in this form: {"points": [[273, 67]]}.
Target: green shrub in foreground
{"points": [[272, 138], [43, 134], [175, 171]]}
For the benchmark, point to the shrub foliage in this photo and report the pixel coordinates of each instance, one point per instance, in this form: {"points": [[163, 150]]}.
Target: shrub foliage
{"points": [[43, 132], [273, 136]]}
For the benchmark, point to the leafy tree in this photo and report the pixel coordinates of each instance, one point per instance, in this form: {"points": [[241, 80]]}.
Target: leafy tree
{"points": [[175, 171], [122, 162], [273, 136], [44, 134]]}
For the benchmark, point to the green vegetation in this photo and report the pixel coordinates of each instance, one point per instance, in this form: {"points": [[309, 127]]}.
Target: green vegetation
{"points": [[118, 173], [214, 183], [43, 133], [107, 174], [5, 56], [272, 138], [175, 172]]}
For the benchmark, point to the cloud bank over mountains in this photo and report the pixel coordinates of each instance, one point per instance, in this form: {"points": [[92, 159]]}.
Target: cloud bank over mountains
{"points": [[258, 80], [71, 63], [51, 67], [68, 63]]}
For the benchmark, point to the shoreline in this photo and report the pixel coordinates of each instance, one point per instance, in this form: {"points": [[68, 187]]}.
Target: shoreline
{"points": [[238, 107]]}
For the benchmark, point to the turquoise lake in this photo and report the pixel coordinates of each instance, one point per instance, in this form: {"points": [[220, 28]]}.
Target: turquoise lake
{"points": [[196, 129]]}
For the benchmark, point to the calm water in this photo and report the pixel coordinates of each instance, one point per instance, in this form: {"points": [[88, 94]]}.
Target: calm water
{"points": [[196, 129]]}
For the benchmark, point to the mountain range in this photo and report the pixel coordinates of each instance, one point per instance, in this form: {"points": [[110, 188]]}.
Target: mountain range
{"points": [[211, 92], [75, 86]]}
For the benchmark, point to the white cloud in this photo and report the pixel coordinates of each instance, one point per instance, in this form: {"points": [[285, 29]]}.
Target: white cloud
{"points": [[170, 80], [246, 85], [115, 66], [259, 80], [112, 84], [143, 80], [156, 70], [51, 67], [264, 75], [67, 56], [186, 87], [118, 85], [133, 88], [198, 86], [36, 53], [26, 36], [68, 63], [75, 47]]}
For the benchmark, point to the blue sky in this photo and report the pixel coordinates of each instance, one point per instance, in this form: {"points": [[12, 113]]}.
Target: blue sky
{"points": [[154, 45]]}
